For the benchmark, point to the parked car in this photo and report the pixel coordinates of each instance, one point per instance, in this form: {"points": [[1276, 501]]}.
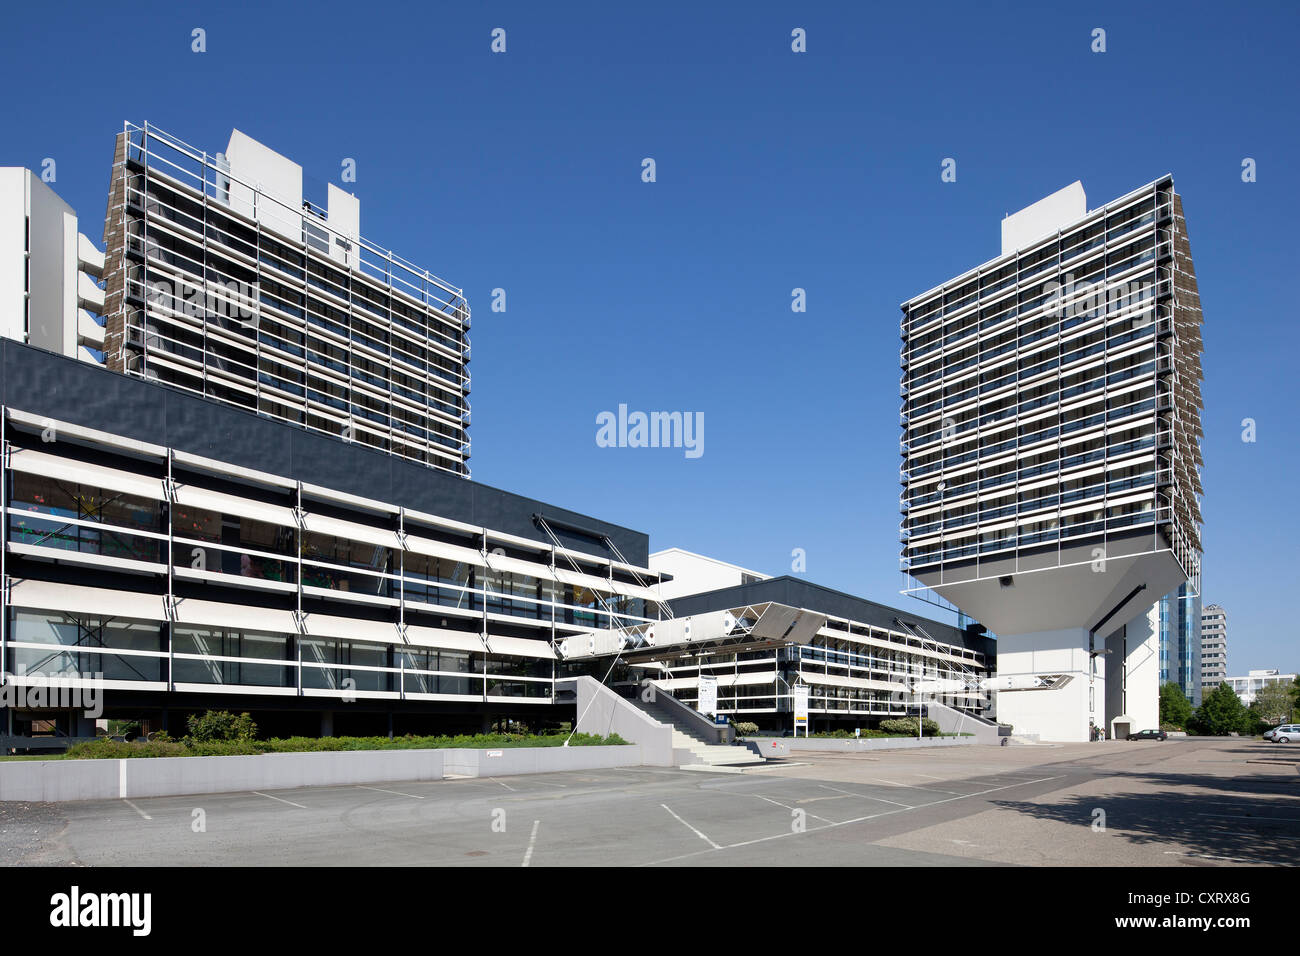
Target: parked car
{"points": [[1148, 735], [1284, 734]]}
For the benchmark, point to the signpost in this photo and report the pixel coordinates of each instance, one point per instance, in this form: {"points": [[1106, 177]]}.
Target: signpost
{"points": [[800, 709], [708, 702]]}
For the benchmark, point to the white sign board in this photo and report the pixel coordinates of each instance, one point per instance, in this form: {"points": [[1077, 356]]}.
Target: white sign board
{"points": [[708, 703], [801, 709]]}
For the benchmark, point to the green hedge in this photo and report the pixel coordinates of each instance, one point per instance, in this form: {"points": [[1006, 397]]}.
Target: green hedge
{"points": [[907, 726], [117, 750]]}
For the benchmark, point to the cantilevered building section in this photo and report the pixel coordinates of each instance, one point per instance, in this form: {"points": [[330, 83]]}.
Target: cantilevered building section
{"points": [[1050, 445], [222, 279]]}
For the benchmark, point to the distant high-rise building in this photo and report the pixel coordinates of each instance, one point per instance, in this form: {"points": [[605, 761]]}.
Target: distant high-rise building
{"points": [[50, 294], [1051, 445], [1214, 647], [224, 280]]}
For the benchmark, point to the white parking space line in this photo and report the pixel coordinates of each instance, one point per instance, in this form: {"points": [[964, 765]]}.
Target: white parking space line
{"points": [[691, 828], [532, 840], [912, 786], [136, 809], [866, 796], [506, 785], [269, 797], [788, 807], [396, 793], [842, 823]]}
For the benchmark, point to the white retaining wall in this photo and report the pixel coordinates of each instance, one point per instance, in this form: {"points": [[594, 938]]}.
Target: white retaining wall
{"points": [[56, 780]]}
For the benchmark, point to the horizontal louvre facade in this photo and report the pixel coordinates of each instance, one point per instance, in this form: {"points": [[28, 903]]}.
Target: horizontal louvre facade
{"points": [[297, 322], [167, 570], [1051, 397], [858, 666]]}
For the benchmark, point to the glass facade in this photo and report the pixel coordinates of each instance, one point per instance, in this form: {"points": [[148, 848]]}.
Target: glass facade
{"points": [[197, 576], [1180, 641]]}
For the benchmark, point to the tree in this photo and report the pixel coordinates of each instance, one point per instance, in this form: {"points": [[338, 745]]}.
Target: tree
{"points": [[217, 725], [1220, 713], [1274, 703], [1175, 708]]}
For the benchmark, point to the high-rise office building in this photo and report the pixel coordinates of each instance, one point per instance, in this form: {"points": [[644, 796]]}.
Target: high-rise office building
{"points": [[1214, 647], [223, 279], [1050, 445], [50, 273], [1178, 616]]}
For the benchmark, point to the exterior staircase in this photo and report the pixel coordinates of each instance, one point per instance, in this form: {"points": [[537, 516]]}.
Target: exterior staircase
{"points": [[696, 741], [692, 750]]}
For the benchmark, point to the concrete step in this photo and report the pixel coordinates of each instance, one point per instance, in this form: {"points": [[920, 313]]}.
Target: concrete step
{"points": [[727, 755]]}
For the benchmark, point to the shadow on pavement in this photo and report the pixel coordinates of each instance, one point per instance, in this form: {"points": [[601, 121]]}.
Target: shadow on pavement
{"points": [[1254, 819]]}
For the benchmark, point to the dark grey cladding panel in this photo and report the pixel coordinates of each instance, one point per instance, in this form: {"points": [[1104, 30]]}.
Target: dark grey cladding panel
{"points": [[349, 467], [48, 384], [513, 513], [69, 390], [208, 428], [433, 491]]}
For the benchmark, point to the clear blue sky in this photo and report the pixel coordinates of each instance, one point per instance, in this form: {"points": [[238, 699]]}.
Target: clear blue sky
{"points": [[775, 170]]}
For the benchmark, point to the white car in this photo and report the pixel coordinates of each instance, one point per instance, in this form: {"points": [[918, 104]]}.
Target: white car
{"points": [[1283, 734]]}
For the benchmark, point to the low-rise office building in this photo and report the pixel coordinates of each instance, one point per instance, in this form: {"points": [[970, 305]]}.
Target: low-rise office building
{"points": [[1248, 687], [201, 556], [860, 661]]}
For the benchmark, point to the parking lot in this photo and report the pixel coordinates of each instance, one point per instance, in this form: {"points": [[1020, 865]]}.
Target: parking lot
{"points": [[1181, 802]]}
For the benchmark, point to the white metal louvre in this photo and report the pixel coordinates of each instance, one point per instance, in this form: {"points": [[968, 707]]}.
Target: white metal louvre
{"points": [[437, 637], [440, 549], [350, 628], [99, 602], [724, 680], [195, 497], [520, 647], [503, 563], [352, 531], [67, 469], [834, 680], [236, 616]]}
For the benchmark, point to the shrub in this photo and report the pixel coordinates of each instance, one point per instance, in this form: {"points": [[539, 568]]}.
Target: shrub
{"points": [[118, 750], [191, 747], [219, 725], [907, 726], [744, 728]]}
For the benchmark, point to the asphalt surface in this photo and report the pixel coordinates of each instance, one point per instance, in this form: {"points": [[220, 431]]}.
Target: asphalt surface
{"points": [[1180, 802]]}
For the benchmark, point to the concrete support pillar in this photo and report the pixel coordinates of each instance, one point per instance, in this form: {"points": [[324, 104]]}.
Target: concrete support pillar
{"points": [[327, 723], [1063, 712]]}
